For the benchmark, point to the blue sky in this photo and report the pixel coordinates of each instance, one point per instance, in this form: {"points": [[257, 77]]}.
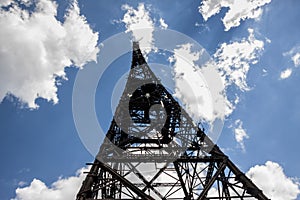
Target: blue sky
{"points": [[40, 56]]}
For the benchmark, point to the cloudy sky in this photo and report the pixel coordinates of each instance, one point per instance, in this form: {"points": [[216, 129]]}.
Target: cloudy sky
{"points": [[254, 44]]}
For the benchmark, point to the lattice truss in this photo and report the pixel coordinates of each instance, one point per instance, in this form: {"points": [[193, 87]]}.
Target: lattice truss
{"points": [[153, 150]]}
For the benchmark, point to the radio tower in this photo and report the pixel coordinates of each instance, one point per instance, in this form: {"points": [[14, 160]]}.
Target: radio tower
{"points": [[153, 150]]}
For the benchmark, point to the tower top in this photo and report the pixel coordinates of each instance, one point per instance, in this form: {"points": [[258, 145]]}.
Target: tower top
{"points": [[137, 56], [135, 45]]}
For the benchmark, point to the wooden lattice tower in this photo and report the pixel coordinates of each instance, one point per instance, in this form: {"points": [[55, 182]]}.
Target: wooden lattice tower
{"points": [[153, 150]]}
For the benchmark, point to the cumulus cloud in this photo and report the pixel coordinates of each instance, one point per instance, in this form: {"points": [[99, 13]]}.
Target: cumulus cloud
{"points": [[190, 85], [62, 189], [286, 73], [278, 186], [238, 10], [240, 133], [36, 47], [234, 59], [140, 24]]}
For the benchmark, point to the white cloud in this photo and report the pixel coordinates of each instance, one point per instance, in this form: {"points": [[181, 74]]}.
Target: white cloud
{"points": [[233, 62], [264, 72], [22, 183], [234, 59], [190, 85], [286, 73], [294, 55], [199, 88], [240, 133], [273, 182], [140, 24], [36, 47], [296, 59], [5, 3], [62, 189], [163, 25], [238, 10]]}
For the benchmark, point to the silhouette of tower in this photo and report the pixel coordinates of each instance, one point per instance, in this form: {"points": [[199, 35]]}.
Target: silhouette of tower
{"points": [[153, 150]]}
